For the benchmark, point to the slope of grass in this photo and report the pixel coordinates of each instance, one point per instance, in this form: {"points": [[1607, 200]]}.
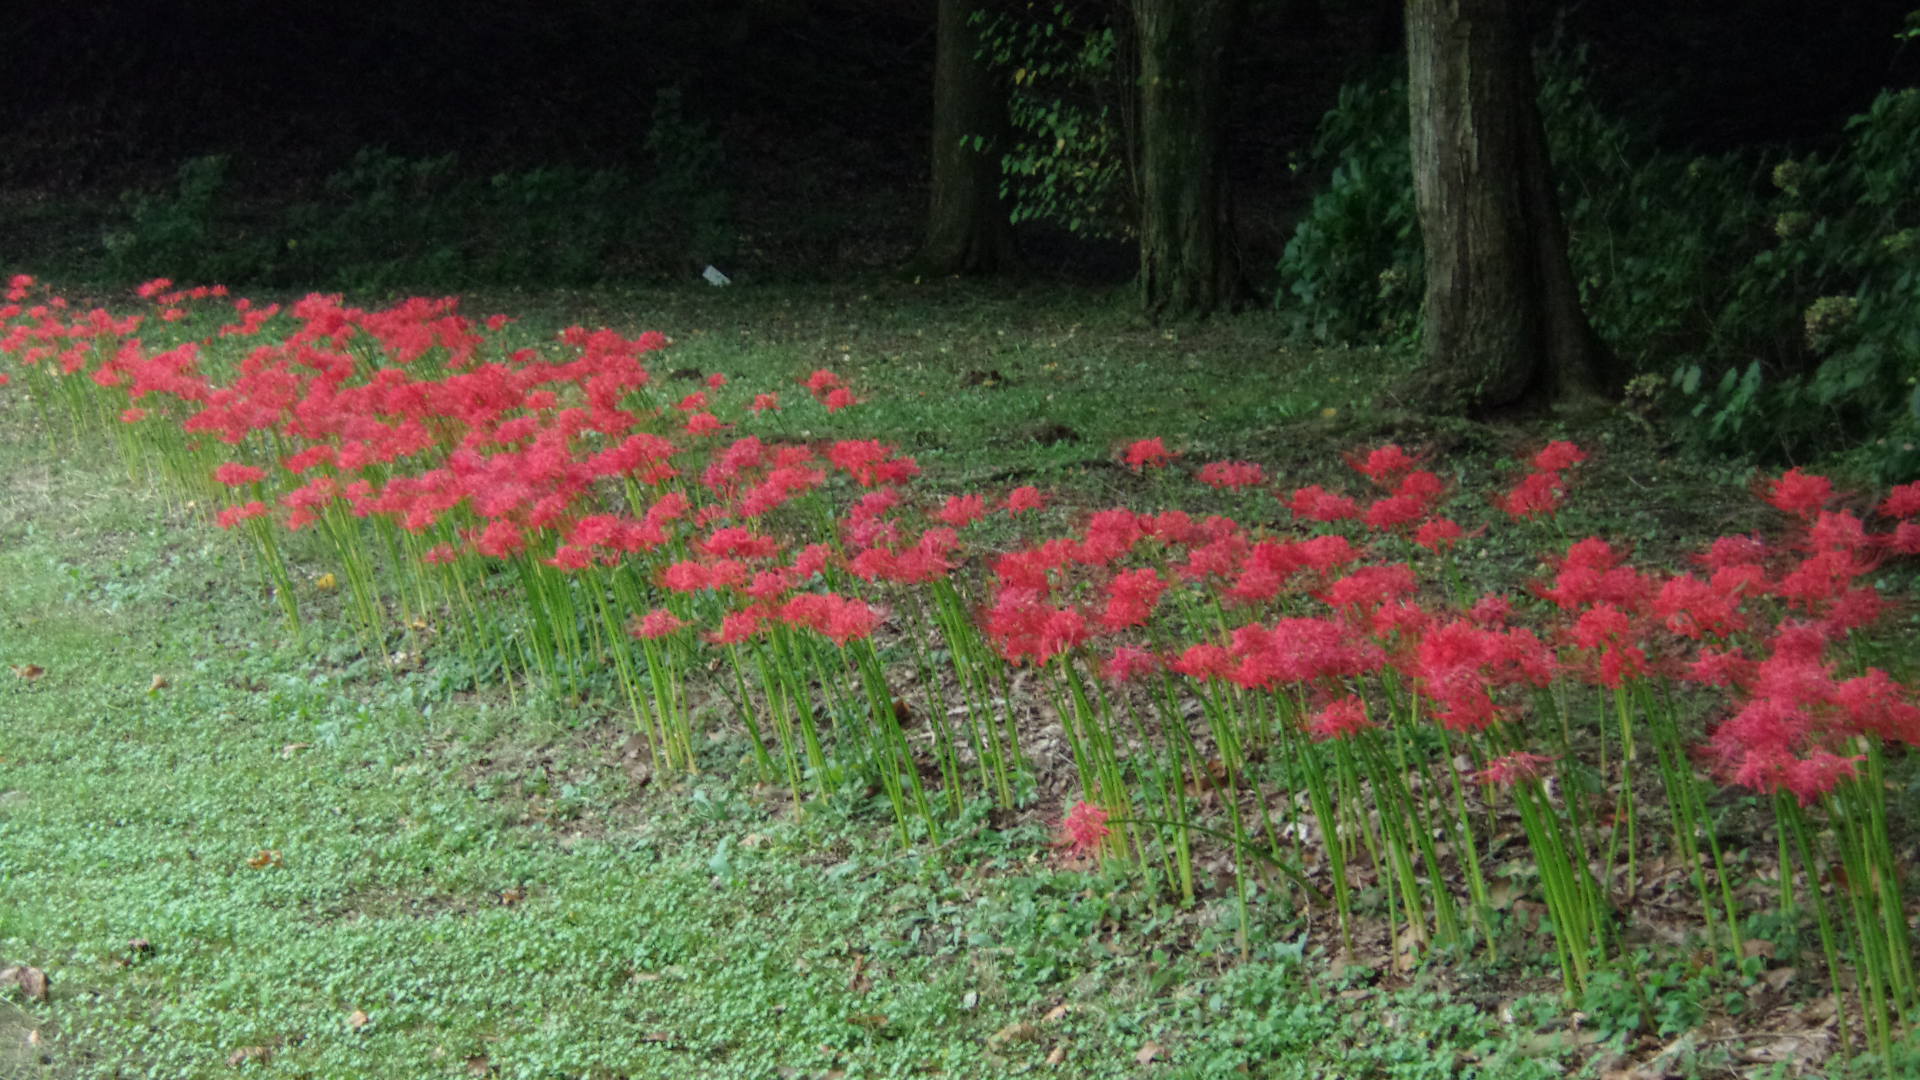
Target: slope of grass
{"points": [[227, 847], [298, 858]]}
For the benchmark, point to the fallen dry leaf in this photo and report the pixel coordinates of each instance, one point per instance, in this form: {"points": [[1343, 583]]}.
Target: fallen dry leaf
{"points": [[359, 1019], [245, 1054], [1057, 1055], [28, 672], [31, 981], [326, 582], [1018, 1031], [293, 748], [479, 1066], [510, 897], [1150, 1053], [1056, 1013], [264, 858]]}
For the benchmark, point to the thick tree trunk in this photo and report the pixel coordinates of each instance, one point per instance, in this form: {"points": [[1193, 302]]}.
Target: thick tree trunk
{"points": [[1188, 263], [1503, 324], [968, 228]]}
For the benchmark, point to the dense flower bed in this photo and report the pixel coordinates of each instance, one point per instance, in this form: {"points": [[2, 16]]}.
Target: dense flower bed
{"points": [[1323, 695]]}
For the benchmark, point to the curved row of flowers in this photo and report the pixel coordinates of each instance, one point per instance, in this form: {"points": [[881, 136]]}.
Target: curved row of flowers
{"points": [[1323, 695]]}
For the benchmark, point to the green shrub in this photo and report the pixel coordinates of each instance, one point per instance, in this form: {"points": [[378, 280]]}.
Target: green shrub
{"points": [[1786, 322], [183, 233], [1353, 271], [1070, 161], [387, 222]]}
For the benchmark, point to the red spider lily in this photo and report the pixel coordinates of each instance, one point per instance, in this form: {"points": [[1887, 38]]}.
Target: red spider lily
{"points": [[1591, 573], [1714, 667], [871, 463], [234, 474], [737, 626], [1695, 609], [1326, 553], [839, 398], [1422, 485], [1438, 534], [822, 382], [735, 541], [656, 624], [1491, 611], [1204, 661], [1902, 502], [1340, 718], [716, 380], [1298, 650], [568, 557], [1518, 767], [839, 618], [1538, 493], [1131, 597], [928, 559], [1369, 587], [1147, 452], [764, 403], [1085, 828], [1129, 662], [1023, 627], [1232, 475], [811, 560], [1317, 504], [1032, 569], [1799, 493], [1216, 558], [1022, 499], [960, 511], [1457, 665], [1110, 535], [704, 423], [769, 586], [1394, 511], [234, 515], [1728, 551], [1558, 456], [1836, 531], [1170, 527], [1608, 632], [1383, 464]]}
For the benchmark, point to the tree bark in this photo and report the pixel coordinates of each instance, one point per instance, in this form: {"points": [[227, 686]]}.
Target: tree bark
{"points": [[1503, 325], [968, 228], [1188, 262]]}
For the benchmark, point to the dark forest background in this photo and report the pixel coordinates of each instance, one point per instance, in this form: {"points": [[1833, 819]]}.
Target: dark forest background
{"points": [[821, 107]]}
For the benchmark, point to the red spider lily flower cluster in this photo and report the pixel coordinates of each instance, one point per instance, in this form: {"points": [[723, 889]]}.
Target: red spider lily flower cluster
{"points": [[1085, 828], [689, 521]]}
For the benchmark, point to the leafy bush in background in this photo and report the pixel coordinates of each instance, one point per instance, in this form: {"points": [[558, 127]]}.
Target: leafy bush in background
{"points": [[1352, 271], [387, 222], [1069, 100], [1778, 299]]}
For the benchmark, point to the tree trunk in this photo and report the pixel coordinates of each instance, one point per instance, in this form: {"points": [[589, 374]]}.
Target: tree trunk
{"points": [[1188, 263], [1503, 324], [968, 228]]}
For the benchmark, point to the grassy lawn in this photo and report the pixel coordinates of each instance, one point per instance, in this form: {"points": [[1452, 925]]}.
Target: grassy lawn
{"points": [[232, 850]]}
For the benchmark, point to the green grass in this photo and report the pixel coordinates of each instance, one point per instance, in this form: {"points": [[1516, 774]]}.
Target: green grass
{"points": [[300, 832]]}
